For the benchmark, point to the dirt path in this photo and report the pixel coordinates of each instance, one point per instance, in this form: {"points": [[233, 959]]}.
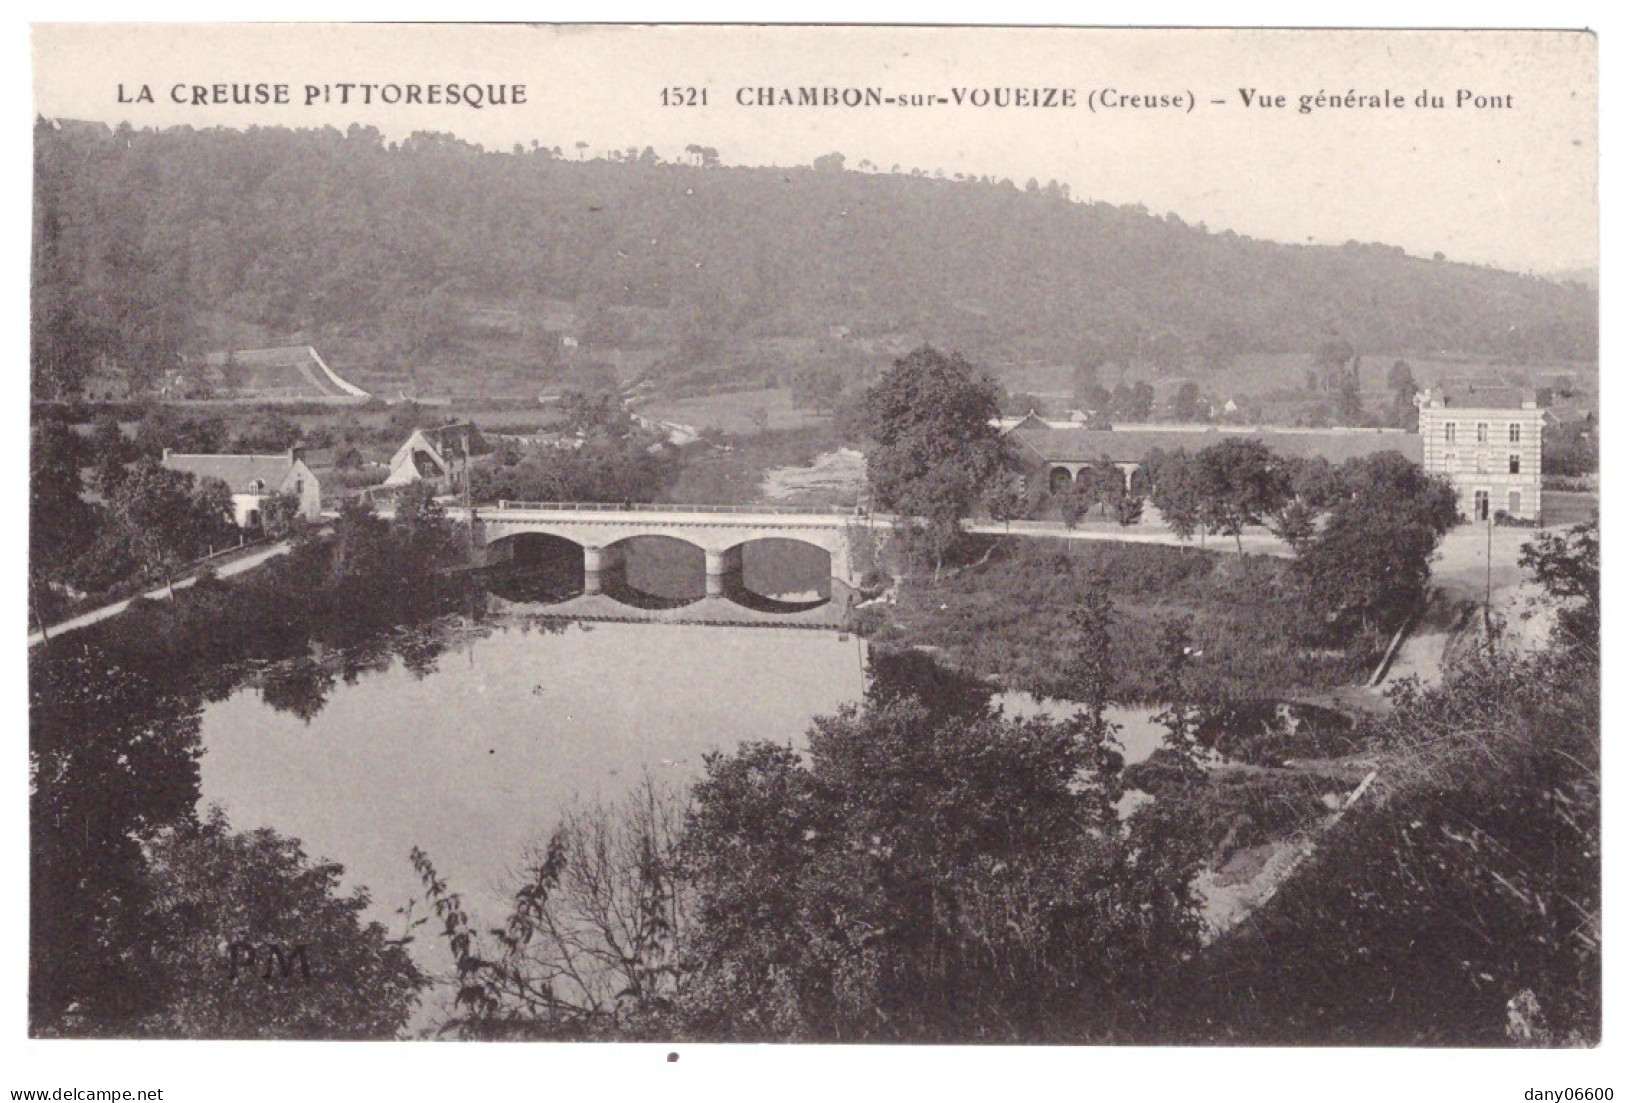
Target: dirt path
{"points": [[1253, 541], [236, 567], [1469, 558]]}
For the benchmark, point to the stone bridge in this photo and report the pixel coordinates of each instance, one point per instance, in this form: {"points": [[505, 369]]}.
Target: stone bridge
{"points": [[719, 531]]}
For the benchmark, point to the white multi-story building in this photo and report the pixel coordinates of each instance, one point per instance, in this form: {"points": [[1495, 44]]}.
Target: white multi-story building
{"points": [[1487, 441]]}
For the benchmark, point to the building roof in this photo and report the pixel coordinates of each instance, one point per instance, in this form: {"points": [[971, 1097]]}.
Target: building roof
{"points": [[237, 472], [1473, 397], [1077, 445], [448, 439]]}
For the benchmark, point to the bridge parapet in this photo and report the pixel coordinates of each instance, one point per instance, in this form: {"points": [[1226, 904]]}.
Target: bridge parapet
{"points": [[719, 531], [506, 505]]}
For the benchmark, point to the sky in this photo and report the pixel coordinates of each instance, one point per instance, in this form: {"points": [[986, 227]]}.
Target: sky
{"points": [[1508, 180]]}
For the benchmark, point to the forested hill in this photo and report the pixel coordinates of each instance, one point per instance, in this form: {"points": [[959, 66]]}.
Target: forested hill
{"points": [[149, 244]]}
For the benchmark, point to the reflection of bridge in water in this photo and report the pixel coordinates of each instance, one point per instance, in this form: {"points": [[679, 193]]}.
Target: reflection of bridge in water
{"points": [[510, 534], [707, 610]]}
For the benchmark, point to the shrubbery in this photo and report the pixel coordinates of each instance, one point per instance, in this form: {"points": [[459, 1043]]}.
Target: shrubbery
{"points": [[1008, 618]]}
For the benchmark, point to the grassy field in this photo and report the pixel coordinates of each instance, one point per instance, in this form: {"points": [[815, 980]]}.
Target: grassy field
{"points": [[733, 413], [1566, 507], [1277, 379], [734, 476]]}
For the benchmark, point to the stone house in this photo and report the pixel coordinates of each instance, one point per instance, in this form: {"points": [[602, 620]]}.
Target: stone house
{"points": [[253, 480], [1487, 442], [440, 456]]}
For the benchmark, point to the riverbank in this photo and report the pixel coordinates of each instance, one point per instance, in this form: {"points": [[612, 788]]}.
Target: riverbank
{"points": [[223, 567], [1006, 616]]}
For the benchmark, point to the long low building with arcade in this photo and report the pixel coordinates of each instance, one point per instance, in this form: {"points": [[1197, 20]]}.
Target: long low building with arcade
{"points": [[1487, 441]]}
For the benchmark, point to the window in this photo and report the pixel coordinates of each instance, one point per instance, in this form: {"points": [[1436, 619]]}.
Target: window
{"points": [[299, 486], [1514, 503], [1514, 432], [1450, 432], [1481, 505], [1512, 465], [1483, 431]]}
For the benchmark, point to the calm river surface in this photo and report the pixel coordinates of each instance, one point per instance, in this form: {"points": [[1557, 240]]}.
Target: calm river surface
{"points": [[475, 755], [477, 758]]}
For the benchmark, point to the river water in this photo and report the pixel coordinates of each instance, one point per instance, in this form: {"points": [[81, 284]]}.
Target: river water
{"points": [[478, 757], [473, 755]]}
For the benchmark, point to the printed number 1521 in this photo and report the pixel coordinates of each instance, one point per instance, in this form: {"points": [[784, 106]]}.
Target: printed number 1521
{"points": [[684, 97]]}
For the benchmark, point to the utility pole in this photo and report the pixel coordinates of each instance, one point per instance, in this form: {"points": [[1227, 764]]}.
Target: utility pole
{"points": [[33, 601], [468, 502], [1489, 547]]}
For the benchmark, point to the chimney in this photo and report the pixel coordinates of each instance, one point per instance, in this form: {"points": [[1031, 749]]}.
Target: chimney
{"points": [[166, 455], [295, 454]]}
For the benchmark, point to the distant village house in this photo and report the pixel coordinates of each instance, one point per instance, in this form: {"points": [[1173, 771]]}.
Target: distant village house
{"points": [[254, 480], [440, 456]]}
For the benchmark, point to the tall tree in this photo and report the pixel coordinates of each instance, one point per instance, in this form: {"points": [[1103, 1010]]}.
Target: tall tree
{"points": [[1240, 483], [1188, 403], [1364, 569], [222, 900], [1400, 378], [1090, 680], [932, 418], [1312, 486], [61, 525], [1133, 402], [1388, 483], [1567, 564], [167, 518], [110, 450], [1180, 749], [918, 876], [1175, 490], [1350, 411], [113, 758]]}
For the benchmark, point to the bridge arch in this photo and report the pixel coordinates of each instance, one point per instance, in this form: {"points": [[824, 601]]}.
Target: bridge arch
{"points": [[778, 573], [541, 568], [653, 570], [720, 533]]}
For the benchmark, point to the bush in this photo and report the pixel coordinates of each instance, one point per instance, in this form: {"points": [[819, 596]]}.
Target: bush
{"points": [[1007, 616], [1469, 876]]}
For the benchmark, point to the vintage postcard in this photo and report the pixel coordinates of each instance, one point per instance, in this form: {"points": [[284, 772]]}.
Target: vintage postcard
{"points": [[1046, 537]]}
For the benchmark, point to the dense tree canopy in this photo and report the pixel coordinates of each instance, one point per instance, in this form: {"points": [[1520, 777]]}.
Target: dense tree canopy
{"points": [[1459, 903], [113, 759], [1367, 562], [923, 875], [936, 446], [130, 897], [60, 521], [146, 240], [222, 899]]}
